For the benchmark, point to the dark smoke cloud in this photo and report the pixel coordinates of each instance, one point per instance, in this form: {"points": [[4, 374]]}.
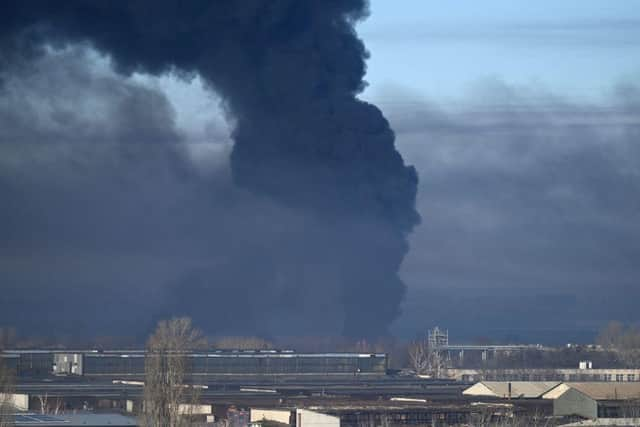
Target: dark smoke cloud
{"points": [[309, 242], [531, 203]]}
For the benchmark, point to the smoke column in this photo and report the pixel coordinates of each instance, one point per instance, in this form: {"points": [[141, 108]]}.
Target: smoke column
{"points": [[289, 72]]}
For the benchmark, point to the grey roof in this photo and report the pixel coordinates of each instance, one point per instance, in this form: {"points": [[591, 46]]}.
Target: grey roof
{"points": [[99, 420], [248, 354], [189, 353], [74, 420], [608, 390], [519, 389]]}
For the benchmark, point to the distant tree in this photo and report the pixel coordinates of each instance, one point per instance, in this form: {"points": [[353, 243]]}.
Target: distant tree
{"points": [[6, 389], [362, 346], [418, 352], [7, 337], [609, 336], [50, 407], [626, 342], [243, 343], [168, 400]]}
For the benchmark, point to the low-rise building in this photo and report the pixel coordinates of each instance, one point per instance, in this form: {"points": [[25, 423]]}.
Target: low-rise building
{"points": [[307, 418], [282, 416], [596, 400]]}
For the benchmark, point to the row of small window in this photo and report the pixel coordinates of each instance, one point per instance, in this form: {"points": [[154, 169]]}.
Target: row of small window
{"points": [[605, 377], [105, 365], [558, 377], [620, 377]]}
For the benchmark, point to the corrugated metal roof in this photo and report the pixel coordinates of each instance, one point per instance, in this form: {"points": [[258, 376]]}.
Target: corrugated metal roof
{"points": [[245, 354], [608, 390], [73, 420], [519, 389]]}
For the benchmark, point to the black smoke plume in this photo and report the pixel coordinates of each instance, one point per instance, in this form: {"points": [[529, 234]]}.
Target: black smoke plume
{"points": [[289, 73]]}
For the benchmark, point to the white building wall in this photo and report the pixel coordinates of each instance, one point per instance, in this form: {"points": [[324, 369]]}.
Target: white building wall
{"points": [[18, 401], [278, 415], [306, 418], [194, 409]]}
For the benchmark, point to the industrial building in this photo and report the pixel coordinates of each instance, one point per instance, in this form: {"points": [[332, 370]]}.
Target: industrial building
{"points": [[32, 363], [112, 364], [307, 418], [573, 400], [596, 400], [550, 374], [349, 413]]}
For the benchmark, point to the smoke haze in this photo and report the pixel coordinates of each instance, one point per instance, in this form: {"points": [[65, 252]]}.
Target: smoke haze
{"points": [[530, 205], [214, 160], [303, 233]]}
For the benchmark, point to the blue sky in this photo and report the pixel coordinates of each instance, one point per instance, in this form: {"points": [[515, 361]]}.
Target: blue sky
{"points": [[578, 48]]}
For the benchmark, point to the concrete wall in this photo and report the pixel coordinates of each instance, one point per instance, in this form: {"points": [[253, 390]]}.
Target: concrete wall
{"points": [[572, 402], [306, 418], [194, 409], [67, 364], [278, 415]]}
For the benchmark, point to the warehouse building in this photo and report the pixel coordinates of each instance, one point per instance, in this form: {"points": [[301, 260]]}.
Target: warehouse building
{"points": [[116, 364], [596, 400], [224, 364], [586, 400]]}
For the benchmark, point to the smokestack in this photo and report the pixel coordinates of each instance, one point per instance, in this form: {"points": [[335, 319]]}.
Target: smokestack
{"points": [[289, 72]]}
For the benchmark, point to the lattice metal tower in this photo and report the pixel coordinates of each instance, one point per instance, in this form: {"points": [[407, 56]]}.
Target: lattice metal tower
{"points": [[437, 341], [437, 338]]}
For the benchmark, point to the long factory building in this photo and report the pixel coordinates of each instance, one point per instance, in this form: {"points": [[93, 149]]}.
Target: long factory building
{"points": [[219, 363]]}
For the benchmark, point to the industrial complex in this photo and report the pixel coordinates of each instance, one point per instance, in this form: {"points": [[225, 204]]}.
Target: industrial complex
{"points": [[239, 388]]}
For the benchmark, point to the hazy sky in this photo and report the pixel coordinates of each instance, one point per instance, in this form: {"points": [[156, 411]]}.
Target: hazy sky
{"points": [[521, 118]]}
